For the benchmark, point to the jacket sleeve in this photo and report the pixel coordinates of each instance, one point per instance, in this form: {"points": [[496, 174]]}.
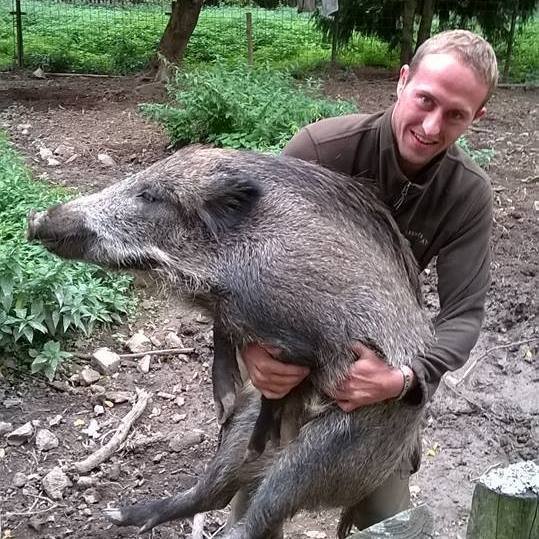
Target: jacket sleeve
{"points": [[302, 146], [463, 267]]}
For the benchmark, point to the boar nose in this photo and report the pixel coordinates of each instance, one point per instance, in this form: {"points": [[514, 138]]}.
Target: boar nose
{"points": [[34, 220]]}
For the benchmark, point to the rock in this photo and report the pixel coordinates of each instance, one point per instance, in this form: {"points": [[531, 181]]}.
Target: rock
{"points": [[11, 402], [92, 430], [19, 480], [65, 151], [91, 496], [176, 418], [139, 343], [181, 442], [23, 127], [20, 435], [98, 409], [45, 153], [106, 361], [173, 341], [106, 160], [56, 420], [117, 397], [39, 73], [87, 481], [315, 534], [46, 440], [536, 205], [88, 376], [5, 427], [55, 483], [180, 401], [144, 364], [51, 162]]}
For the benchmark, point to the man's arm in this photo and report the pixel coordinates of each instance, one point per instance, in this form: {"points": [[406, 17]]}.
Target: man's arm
{"points": [[463, 268]]}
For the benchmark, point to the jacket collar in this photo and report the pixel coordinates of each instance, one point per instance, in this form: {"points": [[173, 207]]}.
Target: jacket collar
{"points": [[391, 179]]}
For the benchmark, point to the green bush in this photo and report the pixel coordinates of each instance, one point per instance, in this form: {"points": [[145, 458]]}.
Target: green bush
{"points": [[481, 156], [42, 298], [241, 108]]}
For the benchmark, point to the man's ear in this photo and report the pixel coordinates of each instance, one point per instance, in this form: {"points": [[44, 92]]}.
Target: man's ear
{"points": [[480, 113], [403, 78], [228, 202]]}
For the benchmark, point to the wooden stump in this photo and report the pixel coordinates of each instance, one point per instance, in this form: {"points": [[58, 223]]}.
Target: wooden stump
{"points": [[506, 503], [416, 523]]}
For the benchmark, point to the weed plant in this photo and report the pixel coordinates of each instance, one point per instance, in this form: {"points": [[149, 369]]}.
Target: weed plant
{"points": [[255, 109], [42, 298]]}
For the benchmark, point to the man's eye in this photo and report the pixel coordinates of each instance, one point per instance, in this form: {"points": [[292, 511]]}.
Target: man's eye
{"points": [[147, 196]]}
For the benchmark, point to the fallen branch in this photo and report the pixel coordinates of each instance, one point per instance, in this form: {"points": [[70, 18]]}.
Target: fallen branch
{"points": [[103, 453], [473, 364], [525, 85], [198, 526], [135, 355]]}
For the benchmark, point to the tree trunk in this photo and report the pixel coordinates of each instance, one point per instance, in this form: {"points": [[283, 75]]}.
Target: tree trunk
{"points": [[510, 41], [407, 36], [425, 26], [182, 22]]}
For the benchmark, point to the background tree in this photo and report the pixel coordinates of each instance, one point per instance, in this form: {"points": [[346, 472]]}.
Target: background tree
{"points": [[407, 23]]}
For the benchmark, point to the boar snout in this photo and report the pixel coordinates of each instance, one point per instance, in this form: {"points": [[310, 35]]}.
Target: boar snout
{"points": [[59, 230]]}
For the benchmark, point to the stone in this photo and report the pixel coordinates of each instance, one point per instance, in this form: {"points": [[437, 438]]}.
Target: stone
{"points": [[117, 397], [98, 409], [172, 340], [181, 442], [64, 150], [20, 435], [106, 160], [55, 483], [144, 364], [88, 376], [45, 153], [105, 361], [19, 480], [91, 496], [5, 427], [46, 440], [139, 343]]}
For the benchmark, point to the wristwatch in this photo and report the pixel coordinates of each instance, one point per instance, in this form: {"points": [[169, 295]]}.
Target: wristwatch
{"points": [[408, 377]]}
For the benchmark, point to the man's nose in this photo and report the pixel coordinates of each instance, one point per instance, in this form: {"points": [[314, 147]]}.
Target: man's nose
{"points": [[432, 124]]}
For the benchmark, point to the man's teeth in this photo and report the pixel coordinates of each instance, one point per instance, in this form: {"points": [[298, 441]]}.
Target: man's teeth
{"points": [[423, 141]]}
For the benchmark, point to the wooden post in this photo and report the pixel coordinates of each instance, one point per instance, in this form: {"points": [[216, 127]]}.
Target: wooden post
{"points": [[18, 26], [416, 523], [249, 21], [506, 503]]}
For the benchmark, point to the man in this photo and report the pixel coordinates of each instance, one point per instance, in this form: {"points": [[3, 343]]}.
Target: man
{"points": [[442, 203]]}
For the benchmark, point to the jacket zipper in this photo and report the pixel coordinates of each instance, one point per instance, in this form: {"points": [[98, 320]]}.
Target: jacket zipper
{"points": [[403, 195]]}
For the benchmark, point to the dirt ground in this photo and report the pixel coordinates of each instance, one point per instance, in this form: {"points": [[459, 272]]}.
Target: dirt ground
{"points": [[491, 418]]}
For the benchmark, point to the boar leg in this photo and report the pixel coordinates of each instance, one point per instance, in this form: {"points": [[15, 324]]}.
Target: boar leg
{"points": [[267, 426], [221, 479], [226, 376]]}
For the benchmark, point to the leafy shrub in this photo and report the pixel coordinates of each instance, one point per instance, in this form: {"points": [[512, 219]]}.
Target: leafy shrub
{"points": [[42, 298], [241, 108], [481, 156]]}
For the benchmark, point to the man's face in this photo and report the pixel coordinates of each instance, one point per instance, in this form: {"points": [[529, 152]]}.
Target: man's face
{"points": [[434, 107]]}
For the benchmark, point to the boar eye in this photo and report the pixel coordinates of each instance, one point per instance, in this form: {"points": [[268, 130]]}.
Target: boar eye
{"points": [[147, 196]]}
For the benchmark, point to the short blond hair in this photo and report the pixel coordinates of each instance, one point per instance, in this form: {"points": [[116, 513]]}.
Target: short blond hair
{"points": [[470, 48]]}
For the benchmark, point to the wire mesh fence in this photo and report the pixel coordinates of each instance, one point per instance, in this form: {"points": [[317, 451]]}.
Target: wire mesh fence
{"points": [[120, 36]]}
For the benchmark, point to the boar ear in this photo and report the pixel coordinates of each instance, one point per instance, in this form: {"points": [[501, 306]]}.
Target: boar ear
{"points": [[228, 203]]}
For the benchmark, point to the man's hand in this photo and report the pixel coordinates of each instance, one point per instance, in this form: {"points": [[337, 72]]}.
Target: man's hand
{"points": [[370, 380], [273, 378]]}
